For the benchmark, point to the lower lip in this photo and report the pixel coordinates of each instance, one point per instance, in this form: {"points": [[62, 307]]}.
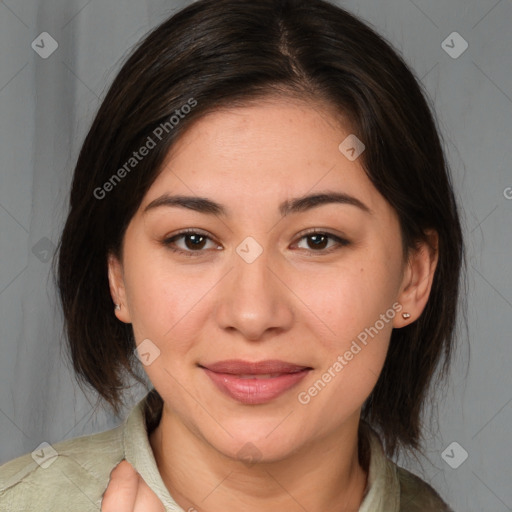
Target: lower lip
{"points": [[255, 391]]}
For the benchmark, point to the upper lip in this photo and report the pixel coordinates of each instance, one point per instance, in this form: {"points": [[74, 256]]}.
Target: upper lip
{"points": [[239, 367]]}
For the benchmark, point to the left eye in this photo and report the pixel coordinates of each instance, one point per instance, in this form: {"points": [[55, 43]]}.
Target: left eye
{"points": [[320, 239]]}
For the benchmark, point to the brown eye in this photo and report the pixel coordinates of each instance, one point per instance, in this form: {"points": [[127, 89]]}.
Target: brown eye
{"points": [[193, 241], [190, 242], [317, 241]]}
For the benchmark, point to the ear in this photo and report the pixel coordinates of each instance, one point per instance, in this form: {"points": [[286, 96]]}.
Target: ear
{"points": [[117, 288], [418, 278]]}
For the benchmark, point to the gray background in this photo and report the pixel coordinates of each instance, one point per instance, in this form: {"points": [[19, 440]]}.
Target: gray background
{"points": [[46, 106]]}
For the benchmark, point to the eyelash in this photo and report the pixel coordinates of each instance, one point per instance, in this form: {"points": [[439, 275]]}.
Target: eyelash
{"points": [[341, 242]]}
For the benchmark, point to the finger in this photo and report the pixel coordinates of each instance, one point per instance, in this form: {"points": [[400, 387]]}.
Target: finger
{"points": [[147, 500], [122, 489]]}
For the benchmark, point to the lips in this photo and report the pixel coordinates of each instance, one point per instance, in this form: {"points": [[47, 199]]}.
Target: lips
{"points": [[254, 383], [239, 367]]}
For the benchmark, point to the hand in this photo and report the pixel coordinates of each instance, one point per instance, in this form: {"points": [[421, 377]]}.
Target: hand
{"points": [[127, 492]]}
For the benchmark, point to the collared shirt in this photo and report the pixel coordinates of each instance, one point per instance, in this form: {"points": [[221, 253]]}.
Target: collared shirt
{"points": [[72, 475]]}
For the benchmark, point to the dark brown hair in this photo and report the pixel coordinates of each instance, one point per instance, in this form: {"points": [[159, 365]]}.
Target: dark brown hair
{"points": [[218, 53]]}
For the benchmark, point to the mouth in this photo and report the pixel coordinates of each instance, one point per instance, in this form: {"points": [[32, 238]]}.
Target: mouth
{"points": [[254, 383]]}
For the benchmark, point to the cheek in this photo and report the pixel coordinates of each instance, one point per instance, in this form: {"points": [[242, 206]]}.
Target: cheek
{"points": [[356, 305], [166, 300], [353, 359], [350, 298], [152, 294]]}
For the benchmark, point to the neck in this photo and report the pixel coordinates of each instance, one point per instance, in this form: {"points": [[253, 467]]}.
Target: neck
{"points": [[324, 475]]}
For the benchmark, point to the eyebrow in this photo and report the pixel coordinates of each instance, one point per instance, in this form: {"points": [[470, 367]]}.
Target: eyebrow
{"points": [[296, 205]]}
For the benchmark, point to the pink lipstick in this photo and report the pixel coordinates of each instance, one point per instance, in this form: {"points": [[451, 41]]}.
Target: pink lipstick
{"points": [[254, 383]]}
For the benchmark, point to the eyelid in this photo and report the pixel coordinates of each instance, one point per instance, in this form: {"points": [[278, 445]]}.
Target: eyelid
{"points": [[321, 231]]}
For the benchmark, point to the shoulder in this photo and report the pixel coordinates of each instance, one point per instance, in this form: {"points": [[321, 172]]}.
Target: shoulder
{"points": [[68, 475], [418, 496]]}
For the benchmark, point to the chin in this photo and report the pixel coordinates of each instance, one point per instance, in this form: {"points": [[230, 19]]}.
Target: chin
{"points": [[253, 444]]}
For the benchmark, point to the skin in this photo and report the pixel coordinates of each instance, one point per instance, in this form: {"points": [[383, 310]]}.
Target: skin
{"points": [[295, 302], [127, 491]]}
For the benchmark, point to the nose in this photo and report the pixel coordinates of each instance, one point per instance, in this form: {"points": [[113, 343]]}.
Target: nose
{"points": [[254, 299]]}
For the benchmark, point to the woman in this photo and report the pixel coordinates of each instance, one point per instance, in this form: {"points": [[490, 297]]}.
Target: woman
{"points": [[263, 210]]}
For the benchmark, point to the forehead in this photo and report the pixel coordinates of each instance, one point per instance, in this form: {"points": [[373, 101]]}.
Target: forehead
{"points": [[262, 154]]}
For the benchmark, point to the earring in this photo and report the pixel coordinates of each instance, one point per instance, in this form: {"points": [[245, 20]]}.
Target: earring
{"points": [[406, 315], [118, 307]]}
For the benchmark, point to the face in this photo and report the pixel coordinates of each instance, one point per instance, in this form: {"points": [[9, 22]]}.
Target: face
{"points": [[311, 289]]}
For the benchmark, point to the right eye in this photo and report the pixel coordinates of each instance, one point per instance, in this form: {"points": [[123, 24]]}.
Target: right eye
{"points": [[194, 242]]}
